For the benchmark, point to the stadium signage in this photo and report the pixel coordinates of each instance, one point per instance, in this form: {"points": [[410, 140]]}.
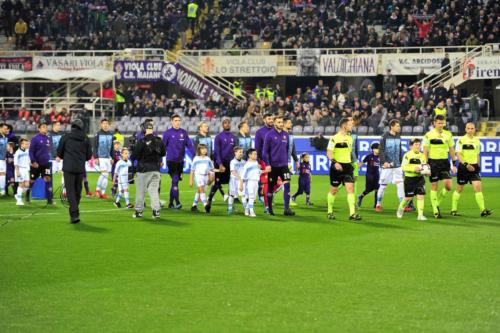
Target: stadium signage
{"points": [[138, 70], [412, 64], [239, 66], [16, 63], [481, 68], [348, 65], [70, 63]]}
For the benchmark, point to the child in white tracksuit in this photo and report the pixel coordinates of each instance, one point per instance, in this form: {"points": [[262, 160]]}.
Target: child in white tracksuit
{"points": [[249, 181]]}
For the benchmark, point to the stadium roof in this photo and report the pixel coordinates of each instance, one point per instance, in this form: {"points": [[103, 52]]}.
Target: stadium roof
{"points": [[96, 75]]}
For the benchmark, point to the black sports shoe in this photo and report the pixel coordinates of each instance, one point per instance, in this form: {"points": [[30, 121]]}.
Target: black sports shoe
{"points": [[289, 212], [178, 206], [309, 204], [438, 215], [156, 214], [137, 214], [354, 217], [170, 205], [75, 220], [194, 209], [270, 212], [330, 216], [237, 200], [486, 212], [454, 213], [117, 204], [208, 206]]}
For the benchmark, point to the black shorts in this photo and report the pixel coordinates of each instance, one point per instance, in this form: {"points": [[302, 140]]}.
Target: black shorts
{"points": [[41, 171], [341, 177], [372, 183], [223, 177], [414, 186], [175, 168], [440, 169], [465, 176], [279, 172]]}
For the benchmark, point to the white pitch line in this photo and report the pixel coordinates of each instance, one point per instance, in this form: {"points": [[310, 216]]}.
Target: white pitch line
{"points": [[59, 213]]}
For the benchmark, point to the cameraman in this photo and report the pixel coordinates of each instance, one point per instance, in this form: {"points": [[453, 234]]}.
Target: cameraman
{"points": [[148, 153]]}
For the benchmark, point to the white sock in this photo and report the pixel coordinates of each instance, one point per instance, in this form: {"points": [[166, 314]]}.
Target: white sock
{"points": [[250, 203], [118, 197], [2, 183], [127, 199], [196, 198], [380, 193], [230, 201], [401, 190], [98, 184], [20, 191], [203, 198], [104, 182]]}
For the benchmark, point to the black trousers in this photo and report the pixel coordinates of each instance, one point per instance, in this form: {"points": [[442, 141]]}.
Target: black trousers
{"points": [[73, 183]]}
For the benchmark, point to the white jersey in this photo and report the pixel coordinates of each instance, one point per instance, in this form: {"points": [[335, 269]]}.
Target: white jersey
{"points": [[202, 165], [236, 166], [251, 171], [121, 171], [22, 159]]}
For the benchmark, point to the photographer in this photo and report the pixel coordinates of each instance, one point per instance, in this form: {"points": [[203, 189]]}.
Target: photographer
{"points": [[148, 153]]}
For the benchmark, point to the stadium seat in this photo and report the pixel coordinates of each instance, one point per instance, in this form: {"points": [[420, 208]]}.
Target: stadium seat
{"points": [[329, 130], [362, 130], [254, 129], [297, 130], [454, 129], [418, 130], [407, 130], [371, 131], [20, 128], [319, 130]]}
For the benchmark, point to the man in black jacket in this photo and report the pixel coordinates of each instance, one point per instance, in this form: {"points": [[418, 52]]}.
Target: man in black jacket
{"points": [[148, 153], [75, 149]]}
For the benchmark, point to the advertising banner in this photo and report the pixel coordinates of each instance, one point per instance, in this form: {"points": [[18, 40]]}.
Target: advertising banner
{"points": [[70, 63], [138, 70], [240, 66], [308, 62], [412, 63], [348, 65], [16, 63], [481, 68]]}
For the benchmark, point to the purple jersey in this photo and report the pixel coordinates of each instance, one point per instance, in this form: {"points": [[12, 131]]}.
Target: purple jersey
{"points": [[116, 156], [305, 171], [224, 144], [176, 141], [9, 161], [40, 149], [372, 165], [260, 135], [275, 150]]}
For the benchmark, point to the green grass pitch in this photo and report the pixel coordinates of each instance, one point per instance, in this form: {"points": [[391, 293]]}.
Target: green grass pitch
{"points": [[213, 273]]}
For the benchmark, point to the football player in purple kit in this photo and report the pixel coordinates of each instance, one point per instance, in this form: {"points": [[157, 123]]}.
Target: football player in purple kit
{"points": [[372, 174], [176, 140], [304, 179], [116, 155], [275, 155], [39, 152], [224, 144], [259, 144]]}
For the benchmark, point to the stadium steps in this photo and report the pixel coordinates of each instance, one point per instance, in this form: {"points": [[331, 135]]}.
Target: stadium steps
{"points": [[5, 44]]}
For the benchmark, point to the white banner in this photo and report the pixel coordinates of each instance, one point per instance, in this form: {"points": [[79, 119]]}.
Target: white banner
{"points": [[348, 65], [239, 66], [482, 68], [70, 63], [411, 63]]}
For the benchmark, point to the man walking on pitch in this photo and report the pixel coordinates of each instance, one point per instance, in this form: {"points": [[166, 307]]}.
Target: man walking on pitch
{"points": [[224, 144], [390, 155], [437, 143], [259, 144], [40, 161], [75, 149], [176, 140], [339, 152], [275, 155], [103, 143], [55, 137], [4, 131], [468, 149]]}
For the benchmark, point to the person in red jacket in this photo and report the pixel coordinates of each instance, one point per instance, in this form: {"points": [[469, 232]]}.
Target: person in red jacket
{"points": [[423, 27]]}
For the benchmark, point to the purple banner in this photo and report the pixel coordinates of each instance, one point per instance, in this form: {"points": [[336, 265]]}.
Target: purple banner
{"points": [[174, 73]]}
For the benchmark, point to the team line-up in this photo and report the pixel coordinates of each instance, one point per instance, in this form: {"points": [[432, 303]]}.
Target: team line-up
{"points": [[259, 172]]}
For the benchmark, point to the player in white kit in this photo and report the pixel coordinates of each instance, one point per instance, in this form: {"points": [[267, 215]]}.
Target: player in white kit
{"points": [[249, 181], [22, 164], [201, 174], [121, 179], [236, 166]]}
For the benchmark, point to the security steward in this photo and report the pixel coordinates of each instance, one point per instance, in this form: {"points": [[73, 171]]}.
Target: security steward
{"points": [[148, 153], [75, 149]]}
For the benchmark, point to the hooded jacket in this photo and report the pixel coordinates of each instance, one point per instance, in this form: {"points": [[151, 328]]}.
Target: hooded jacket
{"points": [[75, 149]]}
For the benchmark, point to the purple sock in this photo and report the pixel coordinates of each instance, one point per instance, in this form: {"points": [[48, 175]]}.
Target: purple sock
{"points": [[48, 190], [175, 188], [286, 195]]}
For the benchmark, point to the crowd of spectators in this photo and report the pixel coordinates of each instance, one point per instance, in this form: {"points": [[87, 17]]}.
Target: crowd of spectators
{"points": [[117, 24], [346, 24], [93, 24]]}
